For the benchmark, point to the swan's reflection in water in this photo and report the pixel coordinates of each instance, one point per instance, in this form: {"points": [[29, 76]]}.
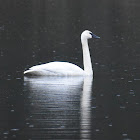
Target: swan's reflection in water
{"points": [[59, 107], [86, 109]]}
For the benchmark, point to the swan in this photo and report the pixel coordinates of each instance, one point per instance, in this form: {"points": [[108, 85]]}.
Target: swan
{"points": [[66, 68]]}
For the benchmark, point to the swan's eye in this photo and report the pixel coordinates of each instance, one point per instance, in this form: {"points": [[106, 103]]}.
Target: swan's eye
{"points": [[91, 33]]}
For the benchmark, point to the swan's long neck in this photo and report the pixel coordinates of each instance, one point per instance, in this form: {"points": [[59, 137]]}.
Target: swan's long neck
{"points": [[86, 57]]}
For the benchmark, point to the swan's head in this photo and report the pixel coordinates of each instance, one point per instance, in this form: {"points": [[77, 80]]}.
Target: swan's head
{"points": [[87, 35]]}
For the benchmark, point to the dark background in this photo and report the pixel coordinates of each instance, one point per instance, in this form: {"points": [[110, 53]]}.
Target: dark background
{"points": [[34, 32]]}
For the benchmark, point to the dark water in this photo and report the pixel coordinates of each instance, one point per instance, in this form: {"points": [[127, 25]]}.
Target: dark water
{"points": [[106, 107]]}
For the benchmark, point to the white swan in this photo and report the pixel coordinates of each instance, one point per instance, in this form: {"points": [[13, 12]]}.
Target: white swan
{"points": [[66, 68]]}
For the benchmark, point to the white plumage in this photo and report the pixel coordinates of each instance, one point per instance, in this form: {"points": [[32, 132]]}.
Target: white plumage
{"points": [[55, 68]]}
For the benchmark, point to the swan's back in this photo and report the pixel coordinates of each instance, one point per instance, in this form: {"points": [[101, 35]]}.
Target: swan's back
{"points": [[55, 68]]}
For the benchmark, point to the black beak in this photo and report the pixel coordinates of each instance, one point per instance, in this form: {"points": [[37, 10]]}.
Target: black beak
{"points": [[95, 36]]}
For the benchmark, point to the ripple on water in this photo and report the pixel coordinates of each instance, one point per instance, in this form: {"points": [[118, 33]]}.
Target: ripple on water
{"points": [[5, 137], [127, 139], [94, 107], [136, 79], [97, 130], [122, 107], [14, 129], [101, 95], [124, 135], [18, 78], [110, 124], [118, 95], [6, 132], [113, 80], [131, 92], [8, 79], [14, 136], [27, 123], [106, 117], [31, 125], [12, 110]]}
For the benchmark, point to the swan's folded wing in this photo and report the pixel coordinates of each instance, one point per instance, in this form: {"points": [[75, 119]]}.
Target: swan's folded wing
{"points": [[55, 68]]}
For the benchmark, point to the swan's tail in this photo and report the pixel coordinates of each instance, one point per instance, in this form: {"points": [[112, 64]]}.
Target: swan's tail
{"points": [[31, 72], [37, 72]]}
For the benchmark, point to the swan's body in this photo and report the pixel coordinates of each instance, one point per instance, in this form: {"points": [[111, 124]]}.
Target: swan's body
{"points": [[55, 68], [66, 68]]}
